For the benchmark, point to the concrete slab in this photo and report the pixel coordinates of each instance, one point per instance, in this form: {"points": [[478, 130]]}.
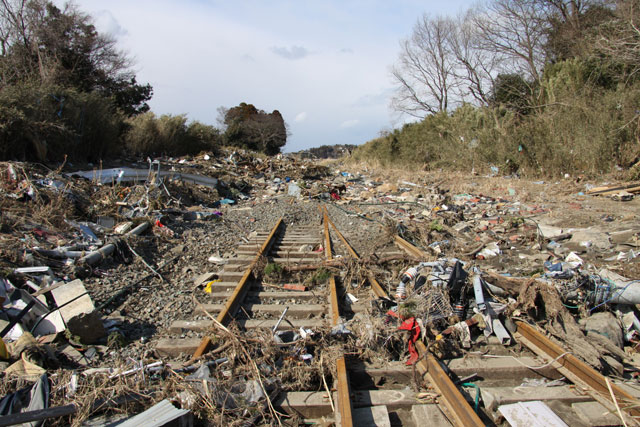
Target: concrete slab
{"points": [[180, 326], [78, 311], [67, 292], [225, 285], [504, 368], [429, 415], [594, 414], [290, 260], [284, 254], [313, 404], [373, 416], [175, 347], [494, 397], [295, 310]]}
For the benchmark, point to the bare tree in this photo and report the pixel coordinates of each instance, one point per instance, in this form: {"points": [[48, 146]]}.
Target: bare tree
{"points": [[515, 30], [619, 38], [425, 74], [61, 45], [477, 68]]}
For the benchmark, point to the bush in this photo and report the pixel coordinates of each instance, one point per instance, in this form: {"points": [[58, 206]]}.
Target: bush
{"points": [[45, 123], [170, 135], [581, 125]]}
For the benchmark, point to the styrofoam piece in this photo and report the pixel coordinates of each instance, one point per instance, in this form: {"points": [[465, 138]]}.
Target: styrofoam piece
{"points": [[530, 414]]}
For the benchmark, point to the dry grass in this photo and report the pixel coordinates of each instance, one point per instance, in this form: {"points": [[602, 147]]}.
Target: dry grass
{"points": [[97, 393]]}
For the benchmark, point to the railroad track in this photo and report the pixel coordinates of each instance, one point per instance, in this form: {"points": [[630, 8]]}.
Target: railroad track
{"points": [[362, 394], [252, 303]]}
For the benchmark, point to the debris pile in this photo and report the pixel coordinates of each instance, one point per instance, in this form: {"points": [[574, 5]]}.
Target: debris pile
{"points": [[97, 263]]}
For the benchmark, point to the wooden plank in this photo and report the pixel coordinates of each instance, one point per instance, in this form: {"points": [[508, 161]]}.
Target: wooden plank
{"points": [[613, 189]]}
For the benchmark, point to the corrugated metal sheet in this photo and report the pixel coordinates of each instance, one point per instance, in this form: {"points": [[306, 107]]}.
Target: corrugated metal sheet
{"points": [[106, 176], [157, 416]]}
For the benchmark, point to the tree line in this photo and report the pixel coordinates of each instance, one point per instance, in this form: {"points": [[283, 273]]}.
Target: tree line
{"points": [[534, 86], [503, 50], [67, 90]]}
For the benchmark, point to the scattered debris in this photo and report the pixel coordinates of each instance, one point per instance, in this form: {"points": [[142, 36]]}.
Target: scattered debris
{"points": [[98, 264]]}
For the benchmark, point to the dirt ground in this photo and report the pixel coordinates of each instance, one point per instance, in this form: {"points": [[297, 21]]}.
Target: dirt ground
{"points": [[148, 282]]}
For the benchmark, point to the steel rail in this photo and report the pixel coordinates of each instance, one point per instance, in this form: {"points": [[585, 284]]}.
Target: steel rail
{"points": [[459, 409], [333, 290], [240, 289], [238, 294], [344, 393], [579, 371], [375, 286], [412, 250], [429, 366]]}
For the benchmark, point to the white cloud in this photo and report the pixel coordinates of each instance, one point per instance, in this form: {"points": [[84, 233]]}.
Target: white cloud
{"points": [[293, 53], [349, 123], [109, 24], [199, 55]]}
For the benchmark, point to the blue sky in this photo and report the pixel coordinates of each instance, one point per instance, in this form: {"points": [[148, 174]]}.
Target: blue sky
{"points": [[323, 64]]}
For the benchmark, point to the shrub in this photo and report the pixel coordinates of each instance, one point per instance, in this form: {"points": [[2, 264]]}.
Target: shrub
{"points": [[581, 126], [45, 123], [170, 135]]}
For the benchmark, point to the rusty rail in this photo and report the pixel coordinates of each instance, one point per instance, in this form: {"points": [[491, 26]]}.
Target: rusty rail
{"points": [[333, 295], [240, 289], [575, 369], [238, 294], [375, 286], [408, 247], [344, 393], [458, 407]]}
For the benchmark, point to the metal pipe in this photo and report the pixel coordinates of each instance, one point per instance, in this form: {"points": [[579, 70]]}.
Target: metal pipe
{"points": [[98, 255], [277, 325], [501, 332], [477, 290], [494, 289]]}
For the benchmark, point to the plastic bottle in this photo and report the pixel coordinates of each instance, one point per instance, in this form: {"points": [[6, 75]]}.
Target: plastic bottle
{"points": [[407, 276]]}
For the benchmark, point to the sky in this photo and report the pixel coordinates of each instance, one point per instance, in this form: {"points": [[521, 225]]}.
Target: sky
{"points": [[323, 64]]}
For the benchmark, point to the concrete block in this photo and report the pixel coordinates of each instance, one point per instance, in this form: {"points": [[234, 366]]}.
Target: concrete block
{"points": [[372, 416], [429, 415], [594, 414]]}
